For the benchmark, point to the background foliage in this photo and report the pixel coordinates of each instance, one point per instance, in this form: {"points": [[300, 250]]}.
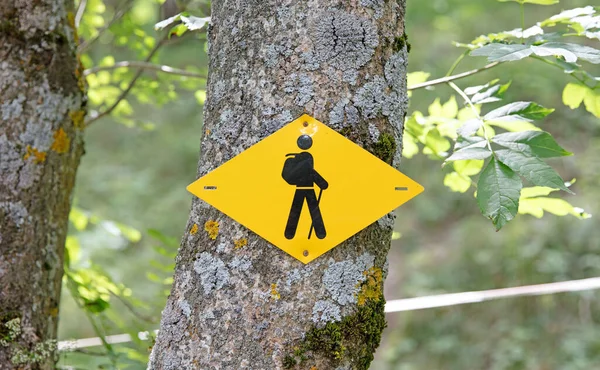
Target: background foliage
{"points": [[131, 203]]}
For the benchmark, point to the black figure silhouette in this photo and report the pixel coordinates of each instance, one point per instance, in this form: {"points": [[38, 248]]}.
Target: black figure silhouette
{"points": [[299, 170]]}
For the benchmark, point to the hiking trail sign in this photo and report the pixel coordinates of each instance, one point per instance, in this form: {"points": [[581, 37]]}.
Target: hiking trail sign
{"points": [[305, 188]]}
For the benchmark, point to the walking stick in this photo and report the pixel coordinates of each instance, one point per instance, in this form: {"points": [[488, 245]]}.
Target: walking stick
{"points": [[312, 225]]}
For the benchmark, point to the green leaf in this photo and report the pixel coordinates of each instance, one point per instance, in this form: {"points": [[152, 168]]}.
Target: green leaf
{"points": [[194, 23], [97, 305], [520, 110], [549, 50], [532, 168], [435, 143], [572, 13], [469, 167], [409, 146], [583, 52], [492, 94], [503, 52], [122, 230], [470, 127], [415, 78], [540, 143], [498, 192], [167, 22], [469, 153], [592, 102], [179, 30], [457, 183], [573, 94], [200, 96], [515, 126], [78, 218], [470, 142], [73, 250]]}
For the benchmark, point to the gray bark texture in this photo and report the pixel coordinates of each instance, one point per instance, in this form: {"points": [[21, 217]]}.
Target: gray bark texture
{"points": [[41, 142], [238, 302]]}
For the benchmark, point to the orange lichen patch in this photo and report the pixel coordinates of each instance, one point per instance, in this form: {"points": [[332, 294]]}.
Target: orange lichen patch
{"points": [[372, 287], [38, 157], [314, 368], [207, 132], [240, 243], [194, 229], [61, 141], [77, 118], [212, 228], [274, 293]]}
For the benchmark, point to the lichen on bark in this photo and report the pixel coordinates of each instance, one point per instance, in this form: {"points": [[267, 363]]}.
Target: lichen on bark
{"points": [[235, 306]]}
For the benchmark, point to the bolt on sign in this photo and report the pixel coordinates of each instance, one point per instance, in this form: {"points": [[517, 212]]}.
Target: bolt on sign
{"points": [[305, 188]]}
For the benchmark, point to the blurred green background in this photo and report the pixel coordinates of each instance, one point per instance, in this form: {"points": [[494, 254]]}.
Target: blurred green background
{"points": [[135, 173]]}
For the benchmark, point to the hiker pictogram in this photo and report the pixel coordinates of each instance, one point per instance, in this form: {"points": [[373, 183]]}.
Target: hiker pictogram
{"points": [[299, 170]]}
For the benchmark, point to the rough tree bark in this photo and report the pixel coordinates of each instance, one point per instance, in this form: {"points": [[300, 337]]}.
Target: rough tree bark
{"points": [[41, 142], [238, 302]]}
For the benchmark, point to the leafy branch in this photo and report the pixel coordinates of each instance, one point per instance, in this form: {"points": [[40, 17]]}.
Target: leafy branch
{"points": [[125, 92], [504, 160], [447, 79]]}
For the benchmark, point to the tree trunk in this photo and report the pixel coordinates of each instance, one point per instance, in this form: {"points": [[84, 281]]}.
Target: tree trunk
{"points": [[41, 142], [238, 302]]}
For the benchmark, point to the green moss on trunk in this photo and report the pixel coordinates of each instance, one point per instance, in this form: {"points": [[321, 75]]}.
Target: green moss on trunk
{"points": [[355, 338], [385, 148]]}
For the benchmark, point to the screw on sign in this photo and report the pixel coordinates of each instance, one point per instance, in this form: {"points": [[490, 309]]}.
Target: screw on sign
{"points": [[311, 180]]}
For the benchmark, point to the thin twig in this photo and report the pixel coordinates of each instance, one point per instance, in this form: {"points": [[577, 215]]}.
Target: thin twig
{"points": [[131, 84], [80, 11], [444, 80], [133, 310], [118, 14], [144, 65], [466, 97]]}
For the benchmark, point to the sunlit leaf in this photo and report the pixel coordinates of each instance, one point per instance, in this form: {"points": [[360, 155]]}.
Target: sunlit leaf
{"points": [[468, 167], [457, 183], [573, 94], [503, 52], [78, 218]]}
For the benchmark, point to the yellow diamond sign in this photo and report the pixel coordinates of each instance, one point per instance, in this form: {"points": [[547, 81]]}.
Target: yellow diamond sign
{"points": [[305, 188]]}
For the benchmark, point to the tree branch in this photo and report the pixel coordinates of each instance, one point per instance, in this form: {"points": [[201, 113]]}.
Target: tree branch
{"points": [[131, 84], [80, 11], [448, 79], [144, 65], [133, 310], [118, 14]]}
